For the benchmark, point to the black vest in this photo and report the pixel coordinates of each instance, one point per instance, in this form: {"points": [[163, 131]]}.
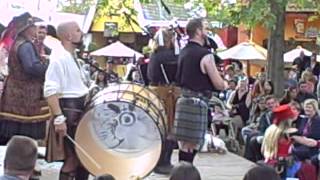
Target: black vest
{"points": [[189, 73], [169, 61]]}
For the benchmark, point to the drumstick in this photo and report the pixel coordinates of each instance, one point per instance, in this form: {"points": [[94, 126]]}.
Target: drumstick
{"points": [[84, 152]]}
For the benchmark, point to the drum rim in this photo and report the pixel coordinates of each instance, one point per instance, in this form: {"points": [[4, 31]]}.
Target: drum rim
{"points": [[159, 120], [78, 151]]}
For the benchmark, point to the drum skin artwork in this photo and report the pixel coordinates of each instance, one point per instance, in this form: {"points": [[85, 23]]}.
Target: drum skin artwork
{"points": [[122, 131]]}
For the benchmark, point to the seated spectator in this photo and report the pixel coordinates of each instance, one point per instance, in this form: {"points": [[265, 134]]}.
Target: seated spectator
{"points": [[308, 127], [290, 95], [252, 128], [104, 177], [261, 173], [218, 117], [20, 158], [185, 171], [304, 92], [253, 149], [232, 85], [239, 103]]}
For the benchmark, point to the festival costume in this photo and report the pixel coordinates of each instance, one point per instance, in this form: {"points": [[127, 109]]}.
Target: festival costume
{"points": [[162, 65], [191, 116], [280, 160], [23, 110], [66, 79]]}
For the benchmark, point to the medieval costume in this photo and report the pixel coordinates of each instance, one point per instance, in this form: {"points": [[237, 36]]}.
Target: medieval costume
{"points": [[161, 73], [65, 78], [192, 107], [23, 109]]}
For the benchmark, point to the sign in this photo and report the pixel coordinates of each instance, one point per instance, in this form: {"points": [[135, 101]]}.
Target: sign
{"points": [[110, 29], [299, 26]]}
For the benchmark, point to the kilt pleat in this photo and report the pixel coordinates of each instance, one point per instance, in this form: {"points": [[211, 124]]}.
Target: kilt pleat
{"points": [[191, 119]]}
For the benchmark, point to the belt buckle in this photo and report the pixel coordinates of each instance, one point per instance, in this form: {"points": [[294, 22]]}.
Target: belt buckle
{"points": [[196, 100]]}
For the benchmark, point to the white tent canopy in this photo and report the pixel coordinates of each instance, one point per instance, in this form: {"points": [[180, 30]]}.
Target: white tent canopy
{"points": [[294, 53], [244, 51], [116, 49]]}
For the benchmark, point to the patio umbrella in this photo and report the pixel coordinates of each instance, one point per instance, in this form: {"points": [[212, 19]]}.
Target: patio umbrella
{"points": [[294, 53], [116, 49], [244, 51]]}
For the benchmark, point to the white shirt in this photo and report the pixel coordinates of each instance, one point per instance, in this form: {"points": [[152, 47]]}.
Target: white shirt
{"points": [[64, 77]]}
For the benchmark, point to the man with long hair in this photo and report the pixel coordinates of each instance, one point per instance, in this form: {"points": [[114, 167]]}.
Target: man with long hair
{"points": [[161, 72]]}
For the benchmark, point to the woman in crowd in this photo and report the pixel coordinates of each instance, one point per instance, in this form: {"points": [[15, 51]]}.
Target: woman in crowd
{"points": [[239, 103], [101, 80], [290, 95], [308, 127], [253, 123]]}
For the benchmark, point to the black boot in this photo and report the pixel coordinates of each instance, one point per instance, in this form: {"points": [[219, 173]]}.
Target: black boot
{"points": [[187, 156], [66, 175], [81, 173], [168, 153], [164, 165]]}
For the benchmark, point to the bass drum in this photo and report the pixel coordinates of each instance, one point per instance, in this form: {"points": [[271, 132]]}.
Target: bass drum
{"points": [[122, 132]]}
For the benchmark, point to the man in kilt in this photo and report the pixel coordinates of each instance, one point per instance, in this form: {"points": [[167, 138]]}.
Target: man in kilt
{"points": [[161, 74], [197, 76], [65, 89]]}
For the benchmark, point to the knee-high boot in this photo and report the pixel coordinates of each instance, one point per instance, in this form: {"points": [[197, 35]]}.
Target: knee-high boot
{"points": [[187, 156], [81, 173]]}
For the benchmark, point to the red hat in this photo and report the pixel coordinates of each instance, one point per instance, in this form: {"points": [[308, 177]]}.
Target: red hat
{"points": [[283, 113]]}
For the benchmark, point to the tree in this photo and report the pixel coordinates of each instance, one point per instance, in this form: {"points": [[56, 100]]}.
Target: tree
{"points": [[76, 6], [269, 13]]}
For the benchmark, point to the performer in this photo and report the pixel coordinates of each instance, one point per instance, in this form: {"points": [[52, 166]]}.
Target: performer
{"points": [[65, 89], [23, 109], [277, 142], [161, 72], [198, 76]]}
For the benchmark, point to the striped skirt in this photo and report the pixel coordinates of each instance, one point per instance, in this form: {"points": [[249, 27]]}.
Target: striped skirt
{"points": [[191, 120]]}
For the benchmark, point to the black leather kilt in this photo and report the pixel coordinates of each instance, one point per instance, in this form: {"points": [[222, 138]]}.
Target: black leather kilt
{"points": [[73, 110]]}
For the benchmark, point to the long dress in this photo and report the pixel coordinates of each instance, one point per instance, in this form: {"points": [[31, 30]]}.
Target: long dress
{"points": [[23, 109]]}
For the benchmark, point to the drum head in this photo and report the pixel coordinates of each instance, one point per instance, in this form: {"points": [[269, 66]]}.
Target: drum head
{"points": [[120, 138]]}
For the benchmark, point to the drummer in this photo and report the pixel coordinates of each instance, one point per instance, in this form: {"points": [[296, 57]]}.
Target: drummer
{"points": [[161, 72], [65, 91]]}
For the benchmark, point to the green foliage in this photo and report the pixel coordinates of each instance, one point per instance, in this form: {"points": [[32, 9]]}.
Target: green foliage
{"points": [[92, 47], [253, 13], [249, 14], [77, 7]]}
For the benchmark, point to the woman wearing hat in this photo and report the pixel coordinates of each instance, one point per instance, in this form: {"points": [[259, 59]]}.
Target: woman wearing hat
{"points": [[23, 109], [276, 143]]}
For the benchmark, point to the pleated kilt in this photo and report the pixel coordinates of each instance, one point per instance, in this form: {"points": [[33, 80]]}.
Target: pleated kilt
{"points": [[73, 110], [191, 119]]}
